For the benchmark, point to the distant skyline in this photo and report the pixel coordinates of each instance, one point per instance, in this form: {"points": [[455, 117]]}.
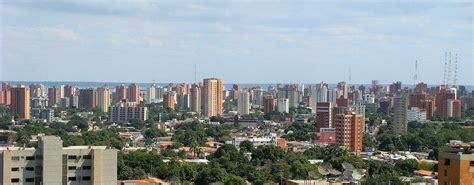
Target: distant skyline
{"points": [[249, 42]]}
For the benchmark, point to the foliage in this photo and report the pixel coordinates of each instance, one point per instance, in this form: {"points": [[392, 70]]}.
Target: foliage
{"points": [[300, 132], [406, 167]]}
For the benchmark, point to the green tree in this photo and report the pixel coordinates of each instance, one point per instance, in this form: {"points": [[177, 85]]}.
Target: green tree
{"points": [[406, 167], [246, 146]]}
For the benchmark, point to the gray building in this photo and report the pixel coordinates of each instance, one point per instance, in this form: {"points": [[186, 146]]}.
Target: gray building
{"points": [[125, 113], [400, 105], [53, 164]]}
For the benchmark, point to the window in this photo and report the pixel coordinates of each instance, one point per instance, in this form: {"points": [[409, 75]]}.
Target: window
{"points": [[15, 180], [30, 158], [87, 157], [71, 168], [15, 158], [30, 169], [447, 162], [471, 163], [71, 178], [86, 178], [86, 167], [71, 157], [15, 169], [30, 179]]}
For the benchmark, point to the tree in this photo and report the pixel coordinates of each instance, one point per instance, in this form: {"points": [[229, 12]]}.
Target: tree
{"points": [[406, 167], [246, 146], [78, 121], [154, 132]]}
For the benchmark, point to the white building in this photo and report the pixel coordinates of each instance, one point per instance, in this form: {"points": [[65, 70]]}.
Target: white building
{"points": [[283, 105], [243, 103], [257, 141], [51, 163], [319, 94], [416, 114], [369, 98]]}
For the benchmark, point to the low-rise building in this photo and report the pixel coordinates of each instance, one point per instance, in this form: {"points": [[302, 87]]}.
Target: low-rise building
{"points": [[456, 164]]}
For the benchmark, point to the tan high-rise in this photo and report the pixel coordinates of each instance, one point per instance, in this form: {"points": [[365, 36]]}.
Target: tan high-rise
{"points": [[169, 100], [212, 92], [103, 98], [133, 94], [20, 102]]}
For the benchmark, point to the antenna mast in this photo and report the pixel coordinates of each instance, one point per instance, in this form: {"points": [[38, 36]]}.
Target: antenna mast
{"points": [[445, 67], [350, 75], [195, 73], [455, 80], [415, 78], [449, 71]]}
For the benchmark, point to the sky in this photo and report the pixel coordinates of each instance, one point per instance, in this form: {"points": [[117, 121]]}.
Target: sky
{"points": [[244, 41]]}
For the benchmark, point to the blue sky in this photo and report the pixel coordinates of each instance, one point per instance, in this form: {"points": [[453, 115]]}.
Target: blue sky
{"points": [[240, 41]]}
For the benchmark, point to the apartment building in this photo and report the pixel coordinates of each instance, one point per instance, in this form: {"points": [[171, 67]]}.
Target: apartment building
{"points": [[53, 164]]}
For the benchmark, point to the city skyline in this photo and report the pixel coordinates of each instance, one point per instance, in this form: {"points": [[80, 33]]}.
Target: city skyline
{"points": [[236, 41]]}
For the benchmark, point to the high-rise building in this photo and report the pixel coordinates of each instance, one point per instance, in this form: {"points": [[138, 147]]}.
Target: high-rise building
{"points": [[120, 93], [51, 163], [169, 100], [344, 88], [69, 91], [212, 93], [195, 98], [323, 115], [257, 99], [54, 95], [37, 91], [182, 100], [151, 94], [442, 97], [243, 103], [133, 93], [349, 131], [291, 93], [103, 98], [429, 106], [283, 105], [453, 108], [456, 164], [319, 94], [400, 105], [87, 98], [7, 97], [270, 104], [20, 102]]}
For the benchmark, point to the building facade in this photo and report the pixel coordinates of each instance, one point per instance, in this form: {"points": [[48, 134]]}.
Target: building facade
{"points": [[243, 103], [349, 131], [400, 105], [323, 115], [20, 102], [213, 96], [51, 163]]}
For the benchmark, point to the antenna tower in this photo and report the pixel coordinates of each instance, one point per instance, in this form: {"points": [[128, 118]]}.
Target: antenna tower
{"points": [[455, 79], [445, 67], [449, 71], [415, 78], [195, 73]]}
